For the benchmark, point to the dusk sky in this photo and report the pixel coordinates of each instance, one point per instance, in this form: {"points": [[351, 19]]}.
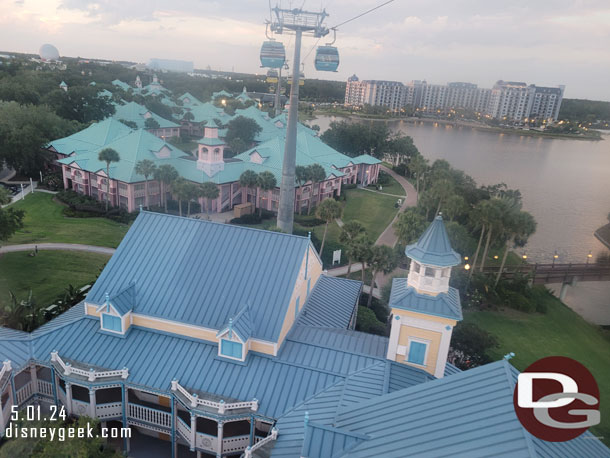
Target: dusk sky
{"points": [[479, 41]]}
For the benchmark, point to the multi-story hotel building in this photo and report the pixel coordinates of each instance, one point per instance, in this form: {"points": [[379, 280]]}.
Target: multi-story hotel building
{"points": [[505, 101]]}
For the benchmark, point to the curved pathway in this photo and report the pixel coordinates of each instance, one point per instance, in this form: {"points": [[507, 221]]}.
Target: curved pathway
{"points": [[387, 237], [58, 246]]}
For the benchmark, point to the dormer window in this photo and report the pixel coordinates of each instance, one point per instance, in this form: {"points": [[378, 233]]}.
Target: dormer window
{"points": [[231, 349], [112, 323]]}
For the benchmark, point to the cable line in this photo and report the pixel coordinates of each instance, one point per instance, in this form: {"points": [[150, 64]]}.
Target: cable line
{"points": [[362, 14]]}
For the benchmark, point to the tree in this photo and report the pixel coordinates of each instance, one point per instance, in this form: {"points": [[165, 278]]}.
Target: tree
{"points": [[108, 155], [151, 123], [493, 212], [147, 169], [248, 179], [328, 210], [24, 131], [23, 315], [354, 139], [5, 197], [244, 129], [266, 182], [518, 226], [316, 174], [301, 176], [382, 259], [348, 237], [361, 251], [181, 191], [418, 167], [81, 103], [130, 124], [409, 225], [469, 346], [210, 192], [190, 193], [188, 116], [10, 221], [455, 206], [165, 175]]}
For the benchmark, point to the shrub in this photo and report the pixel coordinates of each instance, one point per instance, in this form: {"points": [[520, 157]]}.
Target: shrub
{"points": [[52, 181], [366, 321], [82, 206], [349, 186], [383, 178], [308, 220]]}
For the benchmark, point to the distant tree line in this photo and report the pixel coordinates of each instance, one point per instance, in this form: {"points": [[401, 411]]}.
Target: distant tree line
{"points": [[585, 111]]}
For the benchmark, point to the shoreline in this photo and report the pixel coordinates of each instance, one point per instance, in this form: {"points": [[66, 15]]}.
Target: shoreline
{"points": [[469, 124]]}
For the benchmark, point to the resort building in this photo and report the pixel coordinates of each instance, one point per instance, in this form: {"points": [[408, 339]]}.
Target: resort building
{"points": [[77, 155], [137, 114], [214, 339]]}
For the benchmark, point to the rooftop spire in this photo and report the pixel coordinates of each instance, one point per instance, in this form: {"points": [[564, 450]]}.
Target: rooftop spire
{"points": [[433, 247]]}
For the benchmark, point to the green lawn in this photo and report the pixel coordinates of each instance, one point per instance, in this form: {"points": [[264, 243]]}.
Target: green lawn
{"points": [[44, 222], [375, 211], [558, 332], [46, 274], [392, 187]]}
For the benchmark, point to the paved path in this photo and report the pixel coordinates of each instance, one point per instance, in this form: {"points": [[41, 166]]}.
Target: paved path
{"points": [[387, 237], [57, 246], [384, 193]]}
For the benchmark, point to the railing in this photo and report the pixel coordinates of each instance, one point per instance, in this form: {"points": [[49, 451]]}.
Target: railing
{"points": [[235, 444], [183, 429], [6, 367], [45, 387], [206, 442], [80, 407], [150, 415], [24, 393], [259, 444], [91, 374], [109, 410], [221, 406]]}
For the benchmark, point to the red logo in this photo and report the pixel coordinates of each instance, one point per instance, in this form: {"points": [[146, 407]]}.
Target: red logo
{"points": [[557, 399]]}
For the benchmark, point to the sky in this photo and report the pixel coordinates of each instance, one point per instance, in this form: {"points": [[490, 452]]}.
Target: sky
{"points": [[480, 41]]}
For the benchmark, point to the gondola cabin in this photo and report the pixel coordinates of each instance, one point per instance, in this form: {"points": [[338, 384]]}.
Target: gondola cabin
{"points": [[273, 54], [272, 76], [327, 59]]}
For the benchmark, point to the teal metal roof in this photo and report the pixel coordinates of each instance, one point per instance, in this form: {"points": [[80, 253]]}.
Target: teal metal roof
{"points": [[206, 112], [446, 305], [470, 413], [366, 159], [124, 300], [208, 265], [210, 141], [331, 303], [122, 85], [189, 99], [134, 112], [323, 441], [221, 93], [241, 324], [433, 247], [132, 148], [96, 135]]}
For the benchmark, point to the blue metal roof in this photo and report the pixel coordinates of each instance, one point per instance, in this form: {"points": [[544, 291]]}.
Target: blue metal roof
{"points": [[241, 324], [445, 305], [467, 414], [327, 442], [14, 346], [331, 303], [433, 247], [203, 273], [124, 300]]}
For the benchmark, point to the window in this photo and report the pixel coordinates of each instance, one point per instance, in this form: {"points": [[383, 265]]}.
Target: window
{"points": [[417, 353], [111, 323], [231, 349], [429, 272], [415, 267]]}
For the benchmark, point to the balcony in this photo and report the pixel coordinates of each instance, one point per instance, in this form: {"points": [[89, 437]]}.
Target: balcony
{"points": [[149, 415], [109, 410]]}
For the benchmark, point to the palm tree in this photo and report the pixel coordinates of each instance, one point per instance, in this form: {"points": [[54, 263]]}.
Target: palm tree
{"points": [[165, 175], [478, 221], [266, 182], [191, 192], [409, 225], [455, 206], [348, 236], [248, 179], [301, 175], [518, 226], [492, 217], [23, 315], [316, 174], [210, 192], [147, 169], [418, 166], [361, 251], [108, 155], [442, 190], [328, 210], [382, 259], [180, 191]]}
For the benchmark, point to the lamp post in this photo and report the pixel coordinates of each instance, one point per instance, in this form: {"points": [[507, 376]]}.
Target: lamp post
{"points": [[555, 256], [589, 256]]}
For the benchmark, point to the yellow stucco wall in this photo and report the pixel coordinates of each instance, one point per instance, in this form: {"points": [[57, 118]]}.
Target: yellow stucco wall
{"points": [[314, 270], [423, 316], [434, 339]]}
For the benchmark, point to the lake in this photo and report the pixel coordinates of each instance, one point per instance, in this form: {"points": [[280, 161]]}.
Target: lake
{"points": [[565, 185]]}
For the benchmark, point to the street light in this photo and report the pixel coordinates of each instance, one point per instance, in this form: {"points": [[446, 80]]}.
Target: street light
{"points": [[589, 256], [524, 256], [467, 267], [555, 257]]}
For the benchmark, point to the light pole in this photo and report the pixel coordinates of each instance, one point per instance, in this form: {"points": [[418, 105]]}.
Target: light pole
{"points": [[555, 256], [296, 21], [589, 256]]}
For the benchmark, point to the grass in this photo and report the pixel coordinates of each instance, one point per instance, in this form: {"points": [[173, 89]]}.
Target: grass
{"points": [[47, 274], [392, 187], [45, 222], [374, 211], [560, 331]]}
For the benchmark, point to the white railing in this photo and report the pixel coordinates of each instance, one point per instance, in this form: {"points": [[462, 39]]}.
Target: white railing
{"points": [[235, 444], [183, 429], [206, 442], [109, 410], [261, 443], [149, 415], [45, 387], [24, 393], [6, 367], [80, 407], [91, 374], [221, 406]]}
